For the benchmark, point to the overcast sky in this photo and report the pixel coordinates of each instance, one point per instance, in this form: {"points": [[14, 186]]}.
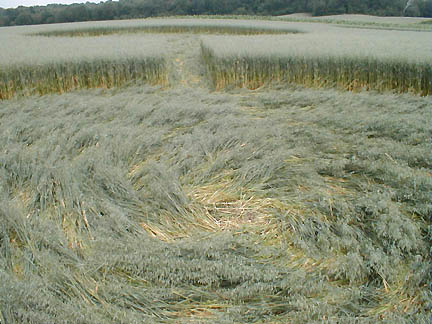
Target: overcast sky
{"points": [[28, 3]]}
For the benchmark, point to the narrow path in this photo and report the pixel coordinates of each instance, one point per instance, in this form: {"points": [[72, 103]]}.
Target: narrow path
{"points": [[187, 69]]}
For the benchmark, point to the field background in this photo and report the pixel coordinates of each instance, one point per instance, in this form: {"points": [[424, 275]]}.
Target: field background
{"points": [[154, 198]]}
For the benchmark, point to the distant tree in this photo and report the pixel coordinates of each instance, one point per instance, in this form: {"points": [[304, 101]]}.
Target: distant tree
{"points": [[4, 20], [336, 7], [425, 8], [306, 5], [123, 9], [416, 8], [412, 11], [356, 6], [79, 13], [47, 17], [320, 7], [24, 19], [409, 5], [182, 7], [11, 15]]}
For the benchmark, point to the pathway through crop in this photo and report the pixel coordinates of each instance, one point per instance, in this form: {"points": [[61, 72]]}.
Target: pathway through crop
{"points": [[185, 57]]}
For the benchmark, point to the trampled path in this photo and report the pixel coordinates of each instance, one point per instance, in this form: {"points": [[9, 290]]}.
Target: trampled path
{"points": [[186, 68]]}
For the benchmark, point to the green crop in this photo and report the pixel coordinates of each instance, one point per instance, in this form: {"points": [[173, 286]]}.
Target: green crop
{"points": [[317, 55], [332, 57], [173, 29], [179, 205], [348, 73], [66, 76], [41, 65]]}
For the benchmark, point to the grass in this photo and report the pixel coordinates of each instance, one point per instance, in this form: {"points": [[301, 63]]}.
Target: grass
{"points": [[194, 25], [354, 21], [367, 21], [333, 61], [172, 29], [67, 76], [163, 206], [97, 63], [322, 59], [354, 74], [180, 204]]}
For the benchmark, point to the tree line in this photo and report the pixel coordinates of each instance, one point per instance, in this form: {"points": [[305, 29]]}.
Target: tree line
{"points": [[127, 9]]}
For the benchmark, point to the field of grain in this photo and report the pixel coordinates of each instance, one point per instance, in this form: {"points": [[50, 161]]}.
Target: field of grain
{"points": [[361, 20], [160, 200], [41, 65], [354, 59]]}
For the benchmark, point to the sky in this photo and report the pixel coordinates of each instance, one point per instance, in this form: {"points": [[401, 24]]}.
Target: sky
{"points": [[28, 3]]}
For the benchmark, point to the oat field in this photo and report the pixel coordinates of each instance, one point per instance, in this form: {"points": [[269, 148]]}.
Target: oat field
{"points": [[215, 171]]}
